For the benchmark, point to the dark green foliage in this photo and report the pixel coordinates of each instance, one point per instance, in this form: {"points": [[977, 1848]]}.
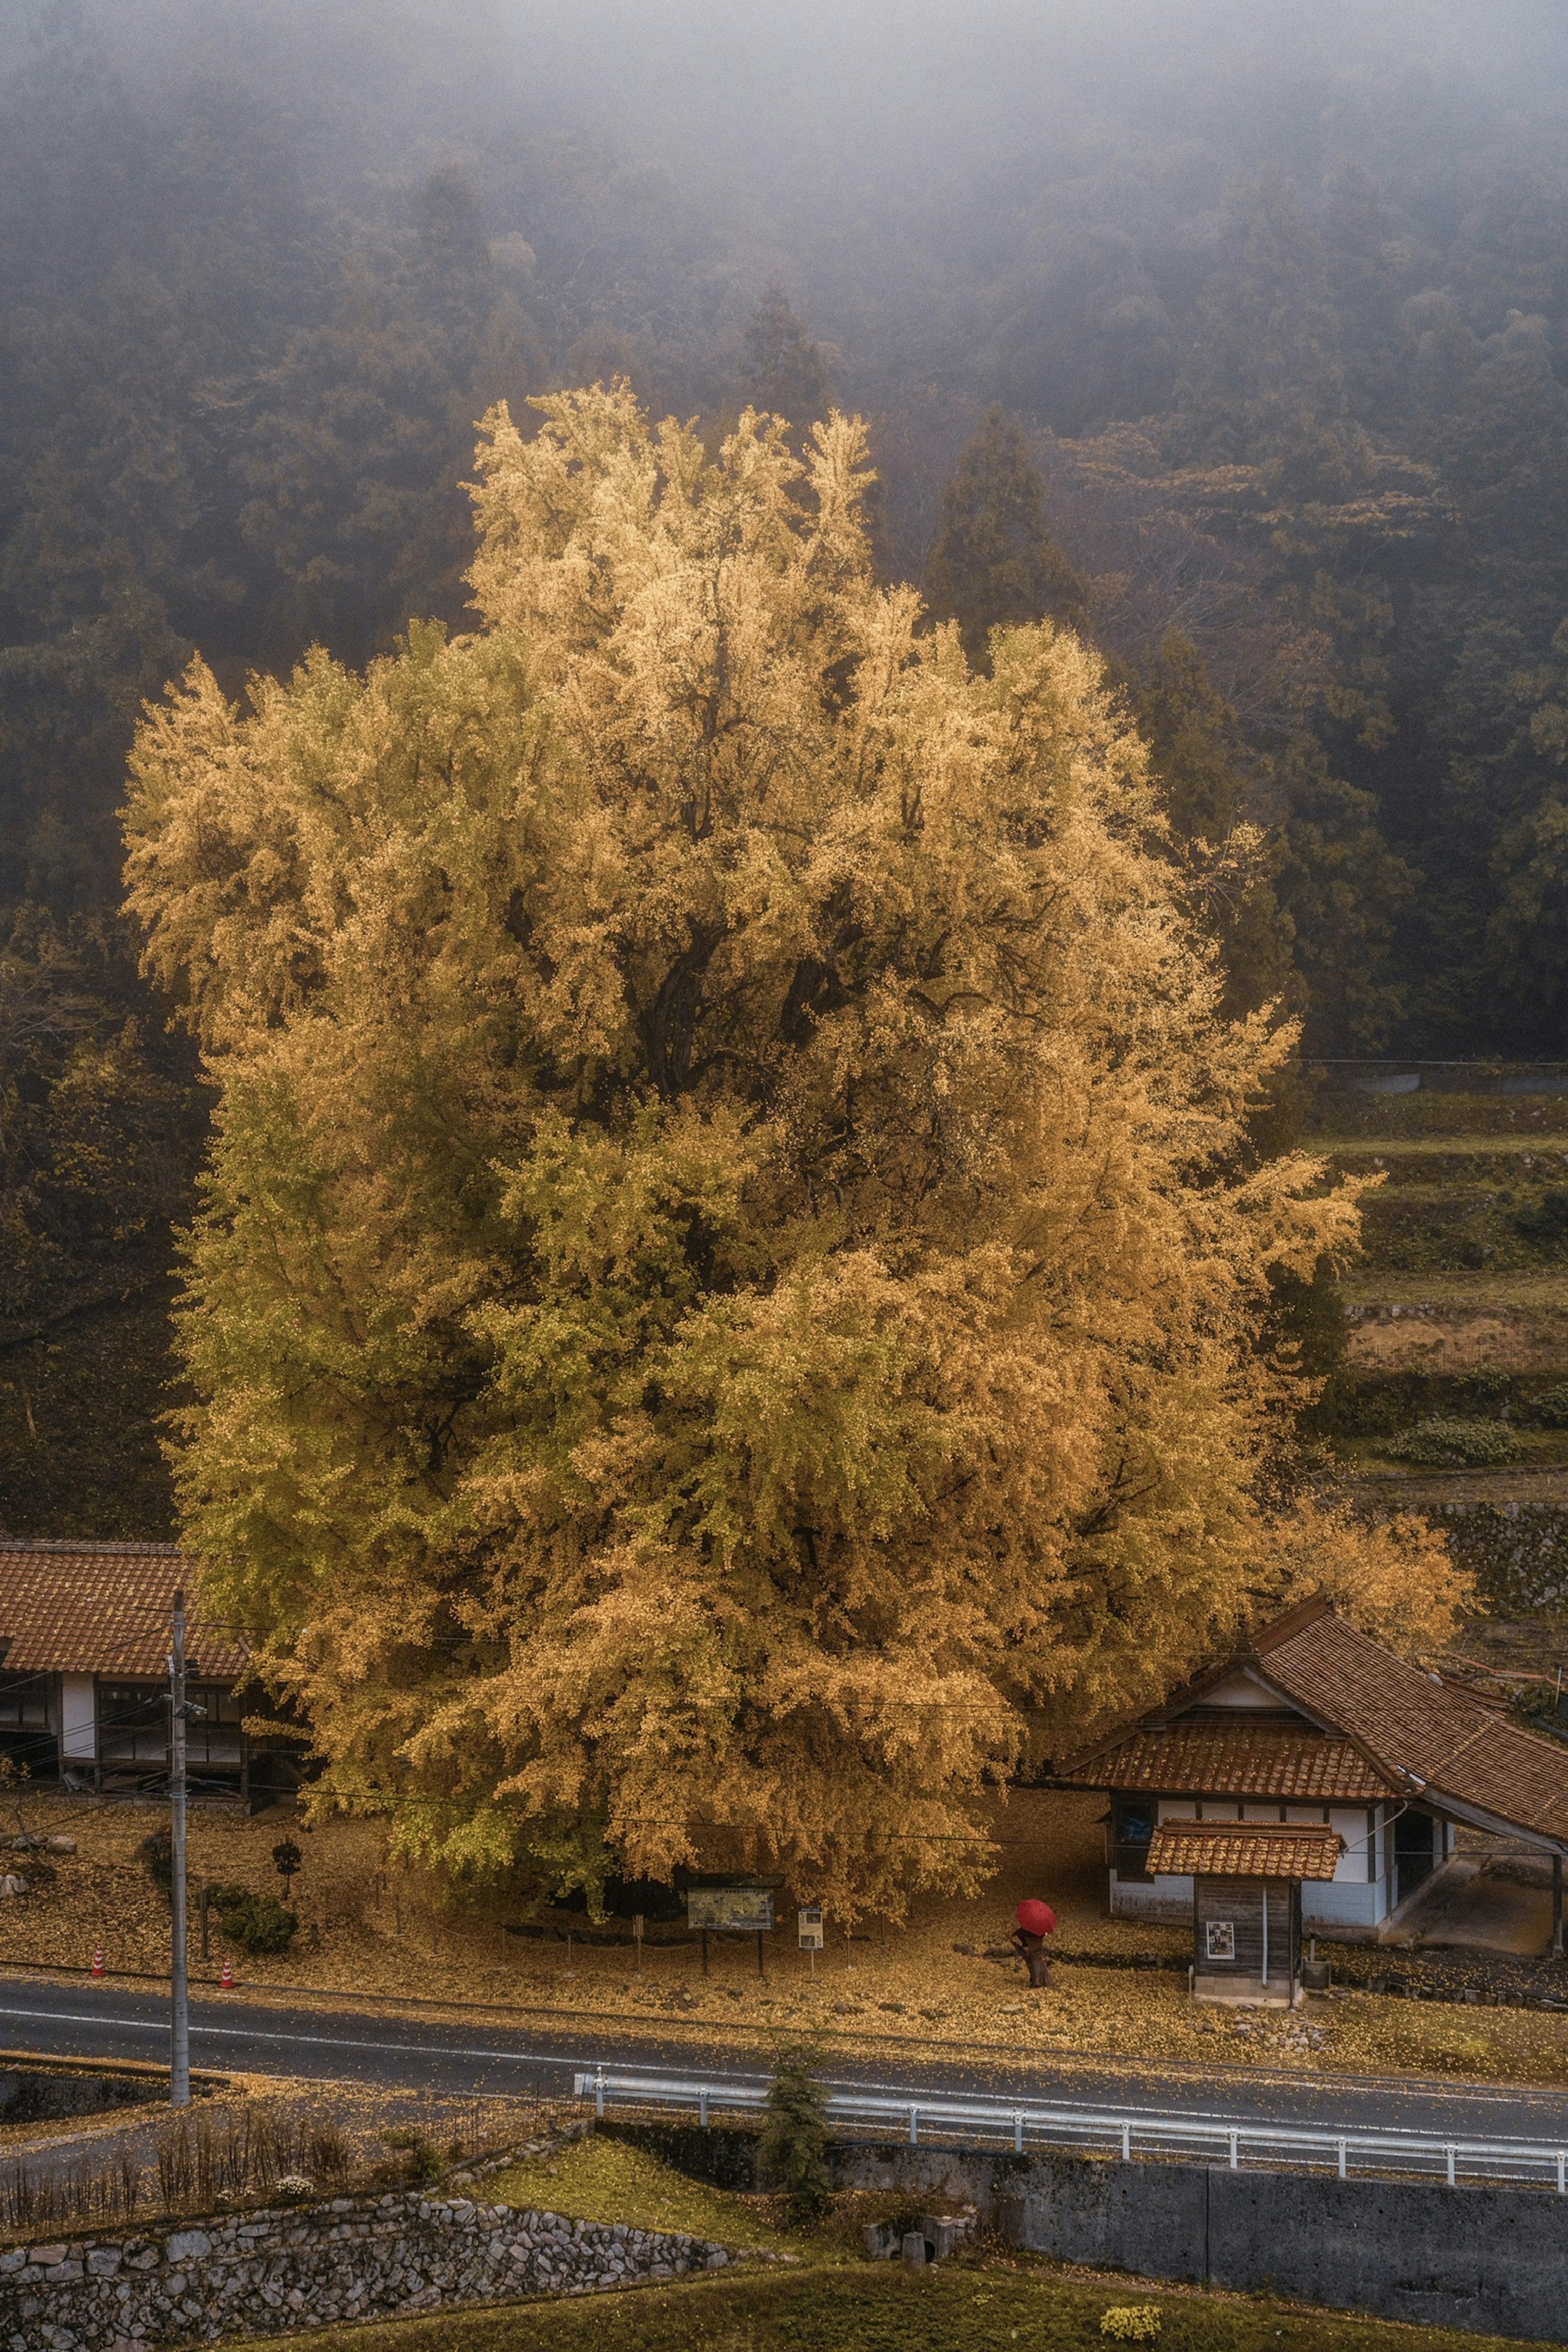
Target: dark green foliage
{"points": [[80, 1435], [1307, 1326], [420, 2157], [256, 1922], [100, 1130], [784, 372], [1455, 1444], [1550, 1407], [1545, 1221], [1209, 788], [1360, 1403], [156, 1855], [792, 2154], [994, 564]]}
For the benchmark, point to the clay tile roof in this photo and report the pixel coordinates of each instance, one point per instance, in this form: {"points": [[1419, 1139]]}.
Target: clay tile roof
{"points": [[100, 1609], [1243, 1850], [1235, 1761], [1415, 1725]]}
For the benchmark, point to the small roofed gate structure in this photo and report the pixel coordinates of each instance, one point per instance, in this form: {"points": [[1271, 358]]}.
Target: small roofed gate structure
{"points": [[1247, 1902]]}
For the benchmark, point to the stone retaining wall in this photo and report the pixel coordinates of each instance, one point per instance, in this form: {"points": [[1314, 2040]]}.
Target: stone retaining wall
{"points": [[1517, 1551], [1516, 1548], [304, 2266]]}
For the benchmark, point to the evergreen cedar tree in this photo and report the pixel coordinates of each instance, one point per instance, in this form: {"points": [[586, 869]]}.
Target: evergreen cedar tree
{"points": [[101, 1138], [726, 1307], [994, 564], [782, 373], [792, 2147]]}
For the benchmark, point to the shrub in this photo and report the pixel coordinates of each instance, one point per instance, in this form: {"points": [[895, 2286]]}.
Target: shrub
{"points": [[1546, 1222], [1132, 2323], [1550, 1407], [156, 1855], [1464, 1445], [256, 1922], [792, 2154], [421, 2159]]}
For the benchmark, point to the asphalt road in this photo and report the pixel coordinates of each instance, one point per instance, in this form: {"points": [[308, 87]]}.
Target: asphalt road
{"points": [[484, 2054]]}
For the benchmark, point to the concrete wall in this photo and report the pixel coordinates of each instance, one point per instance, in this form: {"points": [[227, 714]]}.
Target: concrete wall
{"points": [[1494, 2260], [34, 2094]]}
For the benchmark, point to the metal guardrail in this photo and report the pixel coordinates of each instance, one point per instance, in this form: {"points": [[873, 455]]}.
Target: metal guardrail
{"points": [[925, 2117]]}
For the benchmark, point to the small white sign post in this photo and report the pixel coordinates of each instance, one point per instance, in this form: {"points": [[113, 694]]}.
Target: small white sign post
{"points": [[808, 1925]]}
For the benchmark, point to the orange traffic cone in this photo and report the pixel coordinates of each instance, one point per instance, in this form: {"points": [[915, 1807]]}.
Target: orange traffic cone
{"points": [[98, 1960], [227, 1979]]}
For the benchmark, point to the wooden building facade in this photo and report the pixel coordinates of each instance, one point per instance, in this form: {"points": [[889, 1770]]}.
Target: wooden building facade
{"points": [[1246, 1881], [85, 1629]]}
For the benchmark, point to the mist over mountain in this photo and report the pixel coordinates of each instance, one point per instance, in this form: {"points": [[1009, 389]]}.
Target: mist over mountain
{"points": [[1256, 318]]}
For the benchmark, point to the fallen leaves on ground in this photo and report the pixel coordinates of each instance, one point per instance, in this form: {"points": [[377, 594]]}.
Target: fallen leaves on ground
{"points": [[369, 1931]]}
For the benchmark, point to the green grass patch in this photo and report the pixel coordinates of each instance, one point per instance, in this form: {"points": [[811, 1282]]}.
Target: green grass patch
{"points": [[958, 2307], [1536, 1449], [1464, 1151], [1366, 1118], [603, 2180], [1475, 1291]]}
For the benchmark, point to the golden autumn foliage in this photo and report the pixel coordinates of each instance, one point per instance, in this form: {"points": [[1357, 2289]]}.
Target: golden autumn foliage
{"points": [[728, 1301], [1394, 1581]]}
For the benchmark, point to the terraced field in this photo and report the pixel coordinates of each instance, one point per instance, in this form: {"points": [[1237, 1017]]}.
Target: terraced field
{"points": [[1452, 1396]]}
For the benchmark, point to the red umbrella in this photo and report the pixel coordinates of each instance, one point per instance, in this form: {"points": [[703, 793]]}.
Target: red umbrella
{"points": [[1035, 1918]]}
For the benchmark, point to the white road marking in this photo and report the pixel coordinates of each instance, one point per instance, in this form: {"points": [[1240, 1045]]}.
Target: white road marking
{"points": [[1479, 2094], [311, 2041]]}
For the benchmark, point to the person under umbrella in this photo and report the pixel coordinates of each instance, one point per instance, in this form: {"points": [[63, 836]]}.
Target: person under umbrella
{"points": [[1036, 1921]]}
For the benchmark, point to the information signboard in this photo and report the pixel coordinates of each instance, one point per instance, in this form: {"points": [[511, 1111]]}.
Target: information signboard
{"points": [[808, 1923], [731, 1910]]}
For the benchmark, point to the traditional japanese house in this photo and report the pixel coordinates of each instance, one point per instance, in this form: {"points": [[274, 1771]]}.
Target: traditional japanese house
{"points": [[84, 1683], [1314, 1726]]}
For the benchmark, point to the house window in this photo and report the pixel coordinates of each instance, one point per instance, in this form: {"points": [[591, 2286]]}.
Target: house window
{"points": [[213, 1737], [1133, 1827], [1219, 1939], [134, 1724], [24, 1703]]}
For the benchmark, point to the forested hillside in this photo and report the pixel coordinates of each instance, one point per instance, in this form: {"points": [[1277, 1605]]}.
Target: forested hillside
{"points": [[1253, 325]]}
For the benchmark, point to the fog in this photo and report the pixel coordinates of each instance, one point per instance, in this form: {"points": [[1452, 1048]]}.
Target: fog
{"points": [[1232, 336], [871, 155], [1277, 293]]}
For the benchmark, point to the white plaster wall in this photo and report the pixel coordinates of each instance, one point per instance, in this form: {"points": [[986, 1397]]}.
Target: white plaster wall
{"points": [[78, 1721], [1240, 1691], [1357, 1862], [1327, 1903], [1152, 1899]]}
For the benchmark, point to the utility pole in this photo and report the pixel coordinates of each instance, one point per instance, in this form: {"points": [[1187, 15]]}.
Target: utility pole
{"points": [[179, 1990]]}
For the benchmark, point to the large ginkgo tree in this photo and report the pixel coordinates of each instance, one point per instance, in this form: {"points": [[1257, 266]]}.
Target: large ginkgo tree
{"points": [[728, 1302]]}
